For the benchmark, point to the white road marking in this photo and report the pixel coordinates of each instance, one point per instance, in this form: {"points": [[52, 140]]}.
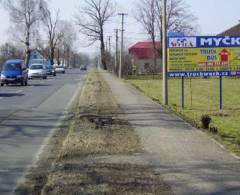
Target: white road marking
{"points": [[19, 91]]}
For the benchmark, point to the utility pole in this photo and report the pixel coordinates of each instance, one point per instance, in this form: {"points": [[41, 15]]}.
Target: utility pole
{"points": [[7, 45], [122, 46], [164, 54], [109, 57], [116, 52], [110, 45], [99, 61], [106, 44]]}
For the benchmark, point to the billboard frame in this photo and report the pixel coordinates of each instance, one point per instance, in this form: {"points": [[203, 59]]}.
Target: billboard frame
{"points": [[201, 42]]}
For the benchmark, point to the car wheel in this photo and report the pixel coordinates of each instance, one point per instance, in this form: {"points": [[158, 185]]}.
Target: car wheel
{"points": [[45, 77], [2, 84]]}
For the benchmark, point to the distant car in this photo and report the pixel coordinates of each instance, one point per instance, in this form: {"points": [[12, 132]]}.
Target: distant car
{"points": [[14, 72], [60, 69], [83, 67], [37, 71], [51, 70]]}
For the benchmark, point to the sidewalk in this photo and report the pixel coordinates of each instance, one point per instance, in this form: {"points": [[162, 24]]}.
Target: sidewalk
{"points": [[187, 159]]}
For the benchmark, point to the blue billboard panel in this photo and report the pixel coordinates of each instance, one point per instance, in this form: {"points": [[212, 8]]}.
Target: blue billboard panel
{"points": [[199, 74], [203, 41], [203, 54]]}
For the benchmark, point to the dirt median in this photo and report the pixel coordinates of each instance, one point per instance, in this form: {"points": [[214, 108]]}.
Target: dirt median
{"points": [[90, 157]]}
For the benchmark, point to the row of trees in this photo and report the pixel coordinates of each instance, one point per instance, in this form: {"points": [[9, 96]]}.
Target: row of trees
{"points": [[56, 38], [92, 20], [96, 14], [36, 26], [10, 51], [179, 19]]}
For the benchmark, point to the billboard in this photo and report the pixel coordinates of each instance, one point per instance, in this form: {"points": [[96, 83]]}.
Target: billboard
{"points": [[203, 54]]}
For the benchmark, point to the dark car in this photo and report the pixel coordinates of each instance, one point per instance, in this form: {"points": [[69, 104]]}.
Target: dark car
{"points": [[51, 70], [83, 67], [14, 72]]}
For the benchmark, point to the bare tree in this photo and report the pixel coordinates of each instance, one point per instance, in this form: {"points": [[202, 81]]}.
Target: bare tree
{"points": [[79, 58], [9, 50], [97, 13], [51, 24], [66, 45], [24, 15], [179, 18], [147, 16]]}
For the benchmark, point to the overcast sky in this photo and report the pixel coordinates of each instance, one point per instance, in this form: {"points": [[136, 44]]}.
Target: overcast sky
{"points": [[214, 16]]}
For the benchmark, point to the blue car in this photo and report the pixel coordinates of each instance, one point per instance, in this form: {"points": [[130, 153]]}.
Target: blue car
{"points": [[14, 72]]}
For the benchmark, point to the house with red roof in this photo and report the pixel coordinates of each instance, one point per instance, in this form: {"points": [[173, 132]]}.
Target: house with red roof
{"points": [[233, 31], [142, 57]]}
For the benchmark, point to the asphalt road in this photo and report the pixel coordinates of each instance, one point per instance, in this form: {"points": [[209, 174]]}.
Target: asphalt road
{"points": [[28, 115]]}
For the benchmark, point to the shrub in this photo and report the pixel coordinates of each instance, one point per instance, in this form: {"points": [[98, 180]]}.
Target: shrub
{"points": [[214, 130], [238, 139], [206, 120]]}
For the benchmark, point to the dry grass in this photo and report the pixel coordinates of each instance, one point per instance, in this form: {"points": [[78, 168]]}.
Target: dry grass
{"points": [[104, 178], [84, 164]]}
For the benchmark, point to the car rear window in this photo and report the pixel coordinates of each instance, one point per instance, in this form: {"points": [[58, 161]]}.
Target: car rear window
{"points": [[11, 66], [36, 67]]}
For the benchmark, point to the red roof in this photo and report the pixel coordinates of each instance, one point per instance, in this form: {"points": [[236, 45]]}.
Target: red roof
{"points": [[233, 31], [145, 50]]}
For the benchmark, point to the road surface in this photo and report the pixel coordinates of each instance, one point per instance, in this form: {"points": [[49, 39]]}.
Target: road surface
{"points": [[28, 115]]}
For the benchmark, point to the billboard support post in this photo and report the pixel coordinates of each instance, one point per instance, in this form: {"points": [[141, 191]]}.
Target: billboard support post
{"points": [[183, 93], [220, 94]]}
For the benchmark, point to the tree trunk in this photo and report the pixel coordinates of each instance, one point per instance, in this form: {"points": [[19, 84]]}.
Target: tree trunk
{"points": [[103, 55], [27, 57], [58, 57], [154, 55], [28, 51], [52, 56]]}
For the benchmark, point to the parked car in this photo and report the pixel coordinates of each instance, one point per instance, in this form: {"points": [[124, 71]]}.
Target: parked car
{"points": [[13, 72], [37, 71], [83, 67], [51, 70], [60, 69]]}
